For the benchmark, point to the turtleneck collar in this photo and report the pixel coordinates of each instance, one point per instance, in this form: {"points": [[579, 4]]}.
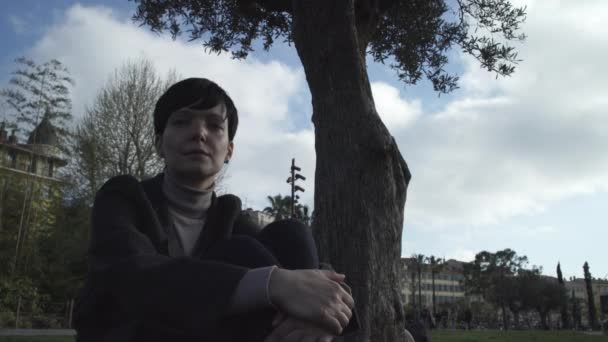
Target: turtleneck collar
{"points": [[188, 201]]}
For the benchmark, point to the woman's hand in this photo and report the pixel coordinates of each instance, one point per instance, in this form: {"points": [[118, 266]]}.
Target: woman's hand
{"points": [[291, 329], [314, 296]]}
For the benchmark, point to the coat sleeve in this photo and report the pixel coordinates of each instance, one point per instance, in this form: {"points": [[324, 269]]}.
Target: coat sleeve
{"points": [[185, 295]]}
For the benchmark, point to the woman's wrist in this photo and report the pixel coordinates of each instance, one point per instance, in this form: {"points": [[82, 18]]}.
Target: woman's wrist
{"points": [[276, 284]]}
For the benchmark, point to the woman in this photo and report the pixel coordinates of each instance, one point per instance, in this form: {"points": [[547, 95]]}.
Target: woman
{"points": [[170, 261]]}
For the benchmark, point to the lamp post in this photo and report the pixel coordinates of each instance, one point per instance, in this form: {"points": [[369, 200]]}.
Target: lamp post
{"points": [[294, 188]]}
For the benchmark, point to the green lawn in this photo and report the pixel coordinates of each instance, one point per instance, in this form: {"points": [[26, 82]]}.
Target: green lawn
{"points": [[36, 338], [436, 336], [513, 336]]}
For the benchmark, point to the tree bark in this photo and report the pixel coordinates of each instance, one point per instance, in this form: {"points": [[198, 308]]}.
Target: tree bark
{"points": [[360, 178]]}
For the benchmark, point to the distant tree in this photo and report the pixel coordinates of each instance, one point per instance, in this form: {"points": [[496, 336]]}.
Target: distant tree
{"points": [[549, 297], [590, 298], [280, 208], [333, 39], [35, 90], [302, 213], [488, 275], [435, 265], [116, 134], [576, 311], [413, 289], [564, 309], [419, 262]]}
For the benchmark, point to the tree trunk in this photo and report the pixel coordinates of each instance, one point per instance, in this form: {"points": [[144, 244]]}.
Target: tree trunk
{"points": [[543, 320], [505, 321], [360, 177], [433, 285], [418, 314]]}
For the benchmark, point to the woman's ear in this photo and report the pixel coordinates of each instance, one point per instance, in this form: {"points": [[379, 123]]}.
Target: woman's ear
{"points": [[229, 152], [158, 145]]}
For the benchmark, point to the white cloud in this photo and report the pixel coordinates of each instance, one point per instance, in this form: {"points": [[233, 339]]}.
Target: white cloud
{"points": [[17, 24], [511, 146], [502, 148], [93, 41], [396, 113]]}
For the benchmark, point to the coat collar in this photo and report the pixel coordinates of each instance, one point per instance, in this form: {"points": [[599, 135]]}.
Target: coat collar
{"points": [[221, 216]]}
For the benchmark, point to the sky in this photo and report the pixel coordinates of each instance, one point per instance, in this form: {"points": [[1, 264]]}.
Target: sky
{"points": [[512, 162]]}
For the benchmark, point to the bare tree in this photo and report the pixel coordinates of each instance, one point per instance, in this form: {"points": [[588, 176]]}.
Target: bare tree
{"points": [[36, 90], [116, 135]]}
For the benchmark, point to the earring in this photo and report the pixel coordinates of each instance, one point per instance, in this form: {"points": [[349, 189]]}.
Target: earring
{"points": [[226, 161]]}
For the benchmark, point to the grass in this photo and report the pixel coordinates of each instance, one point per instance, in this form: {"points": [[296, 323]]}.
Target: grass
{"points": [[36, 338], [436, 336], [514, 336]]}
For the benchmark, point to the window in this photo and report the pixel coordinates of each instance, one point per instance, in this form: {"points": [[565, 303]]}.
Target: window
{"points": [[33, 165], [12, 159]]}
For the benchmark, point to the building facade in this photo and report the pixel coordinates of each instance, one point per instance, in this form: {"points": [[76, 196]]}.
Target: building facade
{"points": [[449, 283], [38, 158], [578, 287]]}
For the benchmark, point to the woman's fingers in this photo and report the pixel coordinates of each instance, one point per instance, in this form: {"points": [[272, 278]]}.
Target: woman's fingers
{"points": [[312, 295], [337, 277], [282, 330], [331, 322], [347, 297], [295, 336]]}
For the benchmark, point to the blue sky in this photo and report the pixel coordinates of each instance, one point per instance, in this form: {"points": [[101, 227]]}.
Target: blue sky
{"points": [[500, 163]]}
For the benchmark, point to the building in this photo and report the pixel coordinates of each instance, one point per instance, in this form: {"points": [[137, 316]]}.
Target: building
{"points": [[600, 291], [28, 171], [38, 158], [449, 283], [259, 217]]}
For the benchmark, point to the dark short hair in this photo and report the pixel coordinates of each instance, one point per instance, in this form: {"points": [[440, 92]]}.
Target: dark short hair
{"points": [[194, 93]]}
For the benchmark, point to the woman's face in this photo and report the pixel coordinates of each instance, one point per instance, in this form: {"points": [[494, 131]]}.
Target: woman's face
{"points": [[195, 144]]}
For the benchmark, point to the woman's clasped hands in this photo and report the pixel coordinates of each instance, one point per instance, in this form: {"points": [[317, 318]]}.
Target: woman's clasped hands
{"points": [[313, 306]]}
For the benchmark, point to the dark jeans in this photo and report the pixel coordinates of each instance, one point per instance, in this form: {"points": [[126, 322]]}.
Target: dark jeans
{"points": [[286, 243]]}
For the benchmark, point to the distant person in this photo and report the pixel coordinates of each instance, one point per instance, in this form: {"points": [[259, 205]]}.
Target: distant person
{"points": [[170, 261]]}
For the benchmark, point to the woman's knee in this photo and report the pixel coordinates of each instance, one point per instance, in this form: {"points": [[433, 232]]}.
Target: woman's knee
{"points": [[291, 242], [288, 229], [242, 250]]}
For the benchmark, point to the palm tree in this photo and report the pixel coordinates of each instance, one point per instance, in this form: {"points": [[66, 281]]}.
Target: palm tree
{"points": [[419, 260], [280, 208], [436, 265], [302, 214]]}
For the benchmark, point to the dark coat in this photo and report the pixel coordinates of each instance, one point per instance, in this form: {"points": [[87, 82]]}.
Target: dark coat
{"points": [[134, 291]]}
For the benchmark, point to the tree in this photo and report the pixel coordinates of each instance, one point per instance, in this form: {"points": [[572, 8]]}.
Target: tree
{"points": [[546, 295], [576, 311], [280, 208], [419, 262], [332, 39], [564, 309], [490, 275], [116, 134], [38, 90], [435, 265], [590, 301]]}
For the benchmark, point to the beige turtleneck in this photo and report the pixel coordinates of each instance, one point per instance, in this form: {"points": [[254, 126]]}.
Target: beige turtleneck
{"points": [[187, 208]]}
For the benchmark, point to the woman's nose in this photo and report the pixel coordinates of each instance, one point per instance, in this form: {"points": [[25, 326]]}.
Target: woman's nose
{"points": [[200, 129]]}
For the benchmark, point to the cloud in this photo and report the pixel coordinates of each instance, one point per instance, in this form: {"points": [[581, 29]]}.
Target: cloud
{"points": [[499, 149], [510, 147], [93, 41], [17, 24], [396, 113]]}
